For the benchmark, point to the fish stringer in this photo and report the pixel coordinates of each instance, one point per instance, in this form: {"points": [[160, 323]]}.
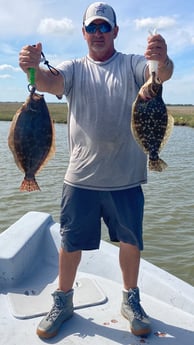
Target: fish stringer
{"points": [[32, 73]]}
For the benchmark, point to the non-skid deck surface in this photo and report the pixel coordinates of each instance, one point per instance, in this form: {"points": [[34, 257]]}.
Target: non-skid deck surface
{"points": [[27, 303], [102, 324]]}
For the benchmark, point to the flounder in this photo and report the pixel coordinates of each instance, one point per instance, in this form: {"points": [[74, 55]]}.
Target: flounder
{"points": [[151, 125], [31, 139]]}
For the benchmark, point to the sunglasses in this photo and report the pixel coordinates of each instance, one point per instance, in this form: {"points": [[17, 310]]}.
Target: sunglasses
{"points": [[102, 27]]}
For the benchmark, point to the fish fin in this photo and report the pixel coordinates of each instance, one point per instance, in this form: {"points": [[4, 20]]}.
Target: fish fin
{"points": [[11, 138], [169, 128], [157, 165], [29, 185], [136, 135], [51, 151], [138, 139]]}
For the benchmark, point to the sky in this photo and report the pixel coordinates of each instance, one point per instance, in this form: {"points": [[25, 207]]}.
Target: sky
{"points": [[57, 25]]}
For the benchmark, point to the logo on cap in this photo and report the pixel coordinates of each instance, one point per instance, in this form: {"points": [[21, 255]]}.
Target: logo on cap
{"points": [[100, 9]]}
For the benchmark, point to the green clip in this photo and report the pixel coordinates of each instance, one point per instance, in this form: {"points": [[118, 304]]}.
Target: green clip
{"points": [[32, 76]]}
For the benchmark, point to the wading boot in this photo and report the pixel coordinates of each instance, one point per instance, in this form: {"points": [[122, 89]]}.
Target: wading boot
{"points": [[133, 311], [61, 311]]}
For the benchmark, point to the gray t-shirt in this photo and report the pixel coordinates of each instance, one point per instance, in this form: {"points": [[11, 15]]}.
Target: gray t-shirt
{"points": [[103, 152]]}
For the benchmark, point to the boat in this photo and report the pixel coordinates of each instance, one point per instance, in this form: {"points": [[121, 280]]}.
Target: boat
{"points": [[29, 274]]}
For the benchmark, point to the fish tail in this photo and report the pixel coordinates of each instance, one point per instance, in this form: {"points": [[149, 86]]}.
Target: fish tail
{"points": [[157, 165], [29, 185]]}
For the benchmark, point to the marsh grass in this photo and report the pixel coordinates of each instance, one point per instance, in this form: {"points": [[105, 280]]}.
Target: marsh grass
{"points": [[183, 114], [58, 111]]}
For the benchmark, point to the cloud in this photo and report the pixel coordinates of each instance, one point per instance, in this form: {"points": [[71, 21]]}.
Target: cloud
{"points": [[183, 94], [19, 18], [7, 49], [6, 76], [5, 67], [155, 22], [53, 26]]}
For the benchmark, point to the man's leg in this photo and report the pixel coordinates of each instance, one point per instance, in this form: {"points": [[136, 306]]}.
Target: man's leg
{"points": [[131, 308], [129, 258], [62, 308], [68, 264]]}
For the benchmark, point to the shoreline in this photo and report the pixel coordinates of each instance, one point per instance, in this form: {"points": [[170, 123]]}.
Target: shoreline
{"points": [[183, 114]]}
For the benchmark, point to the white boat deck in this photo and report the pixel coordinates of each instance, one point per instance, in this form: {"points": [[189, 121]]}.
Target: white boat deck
{"points": [[28, 275]]}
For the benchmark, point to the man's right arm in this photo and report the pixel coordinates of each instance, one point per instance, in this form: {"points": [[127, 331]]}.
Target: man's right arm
{"points": [[45, 80]]}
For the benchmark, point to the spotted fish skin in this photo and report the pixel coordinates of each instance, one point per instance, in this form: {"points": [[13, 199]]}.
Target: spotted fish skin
{"points": [[31, 139], [151, 125]]}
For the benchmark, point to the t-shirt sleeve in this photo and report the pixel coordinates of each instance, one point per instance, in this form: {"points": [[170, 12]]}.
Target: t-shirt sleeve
{"points": [[66, 69], [139, 64]]}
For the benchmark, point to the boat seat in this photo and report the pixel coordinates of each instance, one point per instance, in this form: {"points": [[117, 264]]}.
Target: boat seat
{"points": [[22, 249]]}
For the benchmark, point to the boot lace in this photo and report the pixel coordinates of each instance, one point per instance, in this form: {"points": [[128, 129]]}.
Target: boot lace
{"points": [[134, 302], [57, 307]]}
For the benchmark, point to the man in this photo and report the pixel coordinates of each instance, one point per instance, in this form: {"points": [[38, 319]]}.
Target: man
{"points": [[106, 167]]}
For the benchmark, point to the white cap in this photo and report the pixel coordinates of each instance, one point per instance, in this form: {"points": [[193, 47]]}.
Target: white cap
{"points": [[99, 10]]}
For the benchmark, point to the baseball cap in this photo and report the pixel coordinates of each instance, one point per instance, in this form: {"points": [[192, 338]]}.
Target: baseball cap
{"points": [[99, 10]]}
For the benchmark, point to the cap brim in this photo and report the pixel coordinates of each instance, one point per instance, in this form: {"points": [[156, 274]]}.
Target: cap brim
{"points": [[91, 19]]}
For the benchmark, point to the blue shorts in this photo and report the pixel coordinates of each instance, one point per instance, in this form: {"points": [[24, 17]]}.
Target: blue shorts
{"points": [[82, 210]]}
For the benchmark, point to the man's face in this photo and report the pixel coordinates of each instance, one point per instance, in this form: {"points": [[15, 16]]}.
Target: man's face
{"points": [[100, 44]]}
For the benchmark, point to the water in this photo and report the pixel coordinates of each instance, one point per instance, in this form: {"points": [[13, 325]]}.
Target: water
{"points": [[13, 203], [169, 207], [169, 210]]}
